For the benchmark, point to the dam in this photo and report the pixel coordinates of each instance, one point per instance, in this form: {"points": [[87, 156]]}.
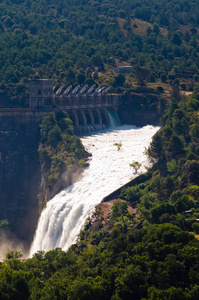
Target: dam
{"points": [[20, 170], [86, 106]]}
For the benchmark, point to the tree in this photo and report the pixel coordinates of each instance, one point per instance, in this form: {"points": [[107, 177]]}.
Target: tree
{"points": [[191, 171], [155, 150], [176, 144], [97, 61], [47, 124], [148, 30], [131, 194], [177, 39], [141, 73], [118, 145], [163, 77], [135, 165], [88, 72], [119, 209], [70, 75], [4, 223], [81, 78], [172, 166], [14, 254], [54, 136], [161, 209], [95, 75], [81, 163], [119, 80], [65, 123], [156, 28]]}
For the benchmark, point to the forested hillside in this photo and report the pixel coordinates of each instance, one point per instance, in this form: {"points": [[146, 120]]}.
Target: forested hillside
{"points": [[67, 40], [148, 246]]}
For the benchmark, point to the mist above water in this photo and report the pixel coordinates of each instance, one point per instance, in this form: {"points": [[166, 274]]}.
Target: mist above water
{"points": [[66, 213]]}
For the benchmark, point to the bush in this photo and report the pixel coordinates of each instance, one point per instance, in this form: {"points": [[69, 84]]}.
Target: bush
{"points": [[131, 193], [54, 136], [119, 209], [160, 89], [195, 227], [152, 78], [176, 81], [81, 163], [163, 77], [183, 86]]}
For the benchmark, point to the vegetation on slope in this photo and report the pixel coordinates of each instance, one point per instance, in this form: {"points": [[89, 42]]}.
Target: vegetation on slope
{"points": [[160, 262], [150, 255], [171, 195], [61, 155], [67, 40]]}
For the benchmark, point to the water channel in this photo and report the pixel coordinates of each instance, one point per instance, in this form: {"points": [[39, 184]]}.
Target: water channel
{"points": [[66, 213]]}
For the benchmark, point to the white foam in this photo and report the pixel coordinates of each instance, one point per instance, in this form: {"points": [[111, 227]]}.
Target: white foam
{"points": [[65, 214]]}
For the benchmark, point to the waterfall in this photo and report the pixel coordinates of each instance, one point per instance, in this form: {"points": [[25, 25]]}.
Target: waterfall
{"points": [[114, 119], [64, 215]]}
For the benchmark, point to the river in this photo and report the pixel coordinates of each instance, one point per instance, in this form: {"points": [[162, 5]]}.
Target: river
{"points": [[64, 215]]}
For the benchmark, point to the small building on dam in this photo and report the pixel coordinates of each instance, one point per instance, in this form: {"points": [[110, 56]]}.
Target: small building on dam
{"points": [[86, 106]]}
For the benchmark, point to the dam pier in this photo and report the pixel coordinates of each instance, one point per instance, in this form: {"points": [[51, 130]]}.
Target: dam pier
{"points": [[86, 106]]}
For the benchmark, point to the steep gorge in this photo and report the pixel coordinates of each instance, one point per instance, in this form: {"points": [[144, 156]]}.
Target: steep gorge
{"points": [[23, 183], [20, 170]]}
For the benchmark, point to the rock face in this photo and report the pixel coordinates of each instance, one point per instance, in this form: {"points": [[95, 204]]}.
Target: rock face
{"points": [[19, 172], [23, 184]]}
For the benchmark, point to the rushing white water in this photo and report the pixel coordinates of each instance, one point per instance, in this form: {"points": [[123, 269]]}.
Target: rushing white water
{"points": [[65, 214]]}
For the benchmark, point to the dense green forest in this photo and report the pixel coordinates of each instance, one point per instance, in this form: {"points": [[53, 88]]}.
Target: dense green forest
{"points": [[68, 40]]}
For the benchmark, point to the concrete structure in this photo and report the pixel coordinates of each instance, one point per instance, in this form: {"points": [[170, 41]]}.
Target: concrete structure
{"points": [[20, 173], [41, 93], [86, 106], [124, 69]]}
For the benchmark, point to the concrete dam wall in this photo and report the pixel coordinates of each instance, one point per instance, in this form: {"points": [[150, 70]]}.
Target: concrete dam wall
{"points": [[19, 172]]}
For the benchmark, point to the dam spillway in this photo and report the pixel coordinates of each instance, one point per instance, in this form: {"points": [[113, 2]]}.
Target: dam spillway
{"points": [[20, 170], [86, 106], [64, 215], [19, 140]]}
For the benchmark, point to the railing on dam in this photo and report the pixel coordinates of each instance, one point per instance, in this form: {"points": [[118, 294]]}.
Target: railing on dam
{"points": [[44, 94], [88, 102]]}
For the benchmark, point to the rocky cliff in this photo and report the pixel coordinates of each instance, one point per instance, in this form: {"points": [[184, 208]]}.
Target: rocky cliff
{"points": [[19, 171], [24, 184]]}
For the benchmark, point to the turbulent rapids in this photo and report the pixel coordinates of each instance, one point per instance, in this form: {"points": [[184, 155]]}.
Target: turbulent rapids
{"points": [[65, 214]]}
